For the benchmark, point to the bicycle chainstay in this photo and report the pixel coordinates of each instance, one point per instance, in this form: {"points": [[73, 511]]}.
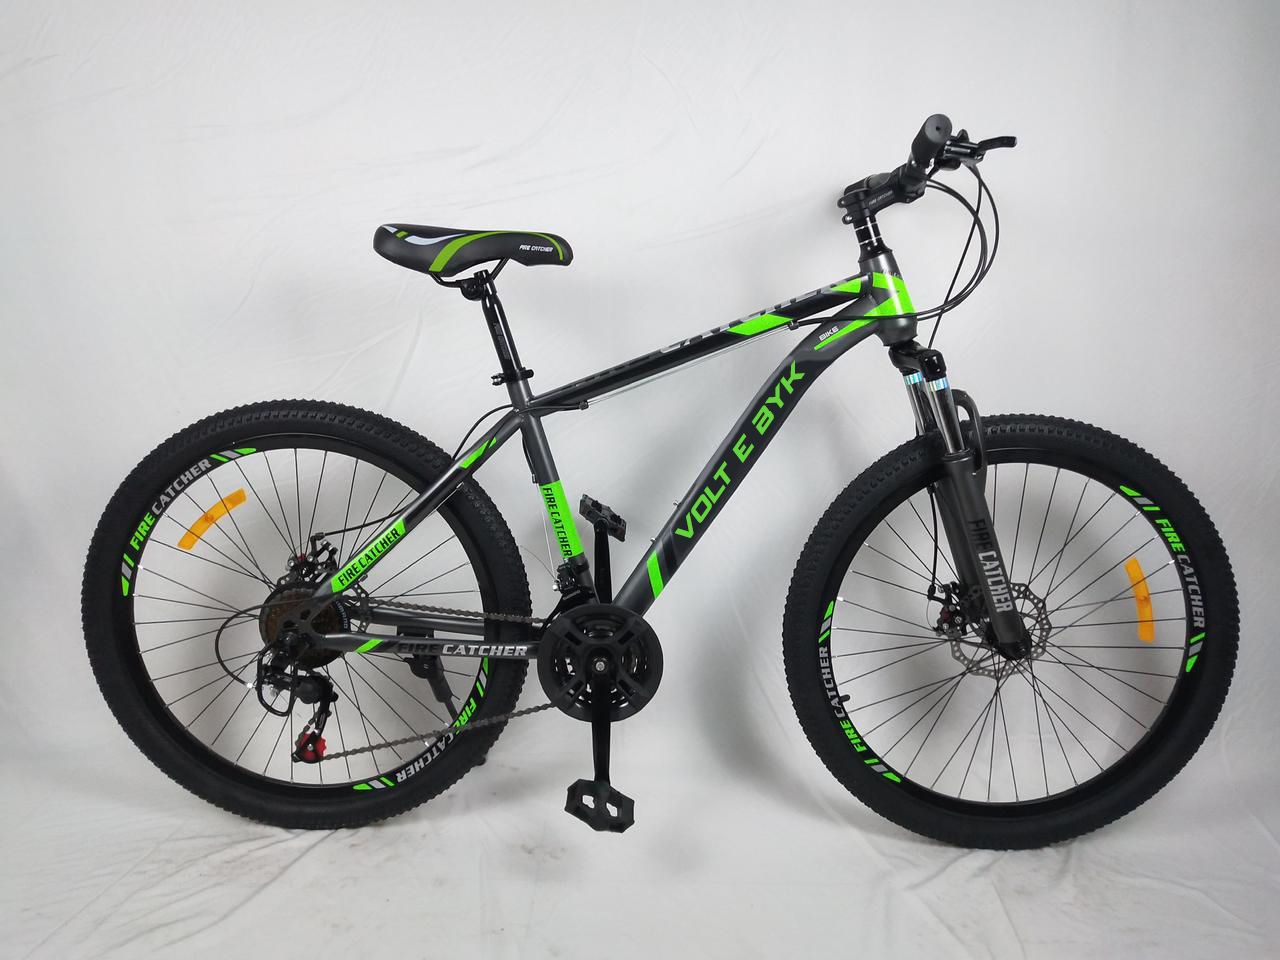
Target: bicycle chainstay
{"points": [[472, 725]]}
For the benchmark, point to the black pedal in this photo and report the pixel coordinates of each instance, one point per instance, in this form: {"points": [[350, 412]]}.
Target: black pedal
{"points": [[601, 516], [600, 806]]}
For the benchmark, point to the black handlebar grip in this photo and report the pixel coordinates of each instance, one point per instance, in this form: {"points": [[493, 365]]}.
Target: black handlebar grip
{"points": [[930, 140]]}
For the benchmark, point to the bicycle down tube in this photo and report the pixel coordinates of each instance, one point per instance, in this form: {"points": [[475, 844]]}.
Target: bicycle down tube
{"points": [[863, 300]]}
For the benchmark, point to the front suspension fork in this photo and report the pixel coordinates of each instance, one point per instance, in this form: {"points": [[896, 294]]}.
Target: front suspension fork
{"points": [[961, 493]]}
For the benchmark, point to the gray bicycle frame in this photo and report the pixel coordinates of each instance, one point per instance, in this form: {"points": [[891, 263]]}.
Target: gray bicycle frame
{"points": [[875, 301]]}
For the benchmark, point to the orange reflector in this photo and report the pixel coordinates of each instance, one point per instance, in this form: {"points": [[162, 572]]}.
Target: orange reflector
{"points": [[1141, 596], [210, 517]]}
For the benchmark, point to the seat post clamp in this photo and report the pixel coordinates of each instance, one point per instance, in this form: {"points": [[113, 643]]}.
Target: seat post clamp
{"points": [[524, 373]]}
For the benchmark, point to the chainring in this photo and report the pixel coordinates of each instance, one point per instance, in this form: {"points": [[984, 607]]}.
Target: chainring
{"points": [[604, 639]]}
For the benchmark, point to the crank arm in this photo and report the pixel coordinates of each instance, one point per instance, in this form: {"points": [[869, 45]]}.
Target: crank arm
{"points": [[350, 642]]}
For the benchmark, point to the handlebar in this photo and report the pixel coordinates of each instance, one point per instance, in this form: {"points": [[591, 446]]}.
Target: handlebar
{"points": [[934, 148]]}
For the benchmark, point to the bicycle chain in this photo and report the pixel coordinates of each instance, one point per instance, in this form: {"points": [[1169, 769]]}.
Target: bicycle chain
{"points": [[471, 725]]}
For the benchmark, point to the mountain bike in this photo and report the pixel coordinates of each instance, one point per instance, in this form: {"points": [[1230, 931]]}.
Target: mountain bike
{"points": [[1007, 632]]}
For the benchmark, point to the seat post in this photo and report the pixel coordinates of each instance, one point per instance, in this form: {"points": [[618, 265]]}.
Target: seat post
{"points": [[514, 374]]}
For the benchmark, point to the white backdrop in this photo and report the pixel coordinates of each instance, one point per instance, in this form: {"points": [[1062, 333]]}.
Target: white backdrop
{"points": [[189, 196]]}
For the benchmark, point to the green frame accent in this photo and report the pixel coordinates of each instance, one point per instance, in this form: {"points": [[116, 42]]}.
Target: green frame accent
{"points": [[558, 511], [655, 575]]}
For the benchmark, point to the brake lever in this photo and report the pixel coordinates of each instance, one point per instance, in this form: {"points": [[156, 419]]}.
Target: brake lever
{"points": [[996, 143], [960, 150]]}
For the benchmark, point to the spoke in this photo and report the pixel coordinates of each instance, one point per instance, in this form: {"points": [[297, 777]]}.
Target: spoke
{"points": [[1056, 559], [407, 693], [884, 665], [346, 515], [890, 583], [232, 679], [1044, 764], [195, 636], [894, 716], [895, 532], [261, 720], [1083, 716], [205, 666], [205, 540], [1123, 596], [907, 693], [1066, 726], [408, 593], [933, 726], [226, 536], [1120, 646], [411, 565], [932, 534], [286, 722], [265, 508], [338, 720], [1094, 688], [1124, 559], [982, 729], [1111, 670], [1026, 468], [1048, 507], [1008, 746], [1115, 596], [963, 739], [909, 623], [196, 556], [236, 526], [311, 524], [369, 512], [1038, 698], [234, 711], [886, 633], [914, 573], [901, 646], [284, 514], [366, 722], [223, 604], [185, 603], [1063, 582], [297, 494]]}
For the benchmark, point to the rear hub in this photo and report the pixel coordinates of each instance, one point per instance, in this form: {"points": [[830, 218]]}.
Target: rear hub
{"points": [[271, 619]]}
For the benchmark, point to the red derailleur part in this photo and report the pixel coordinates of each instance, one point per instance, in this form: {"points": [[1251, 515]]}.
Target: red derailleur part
{"points": [[310, 747]]}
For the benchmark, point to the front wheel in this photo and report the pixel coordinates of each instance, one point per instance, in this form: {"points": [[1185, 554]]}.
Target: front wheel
{"points": [[1129, 601]]}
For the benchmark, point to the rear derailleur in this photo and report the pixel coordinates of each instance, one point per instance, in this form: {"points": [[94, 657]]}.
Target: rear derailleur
{"points": [[279, 669]]}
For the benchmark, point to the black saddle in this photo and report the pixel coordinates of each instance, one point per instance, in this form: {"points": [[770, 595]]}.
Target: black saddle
{"points": [[445, 251]]}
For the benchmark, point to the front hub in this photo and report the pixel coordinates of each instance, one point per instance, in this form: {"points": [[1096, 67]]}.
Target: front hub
{"points": [[973, 640]]}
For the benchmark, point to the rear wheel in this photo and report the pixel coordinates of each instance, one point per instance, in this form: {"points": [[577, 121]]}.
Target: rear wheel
{"points": [[1128, 597], [196, 541]]}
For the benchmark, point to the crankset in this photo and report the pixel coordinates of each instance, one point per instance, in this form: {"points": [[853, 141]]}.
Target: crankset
{"points": [[600, 663]]}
